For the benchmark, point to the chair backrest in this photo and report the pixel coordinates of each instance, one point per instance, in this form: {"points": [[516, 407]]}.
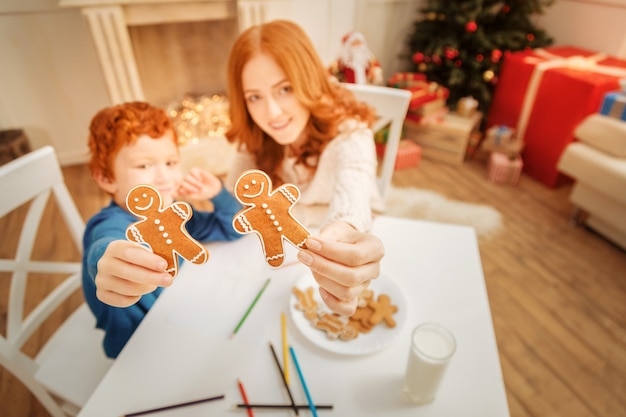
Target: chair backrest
{"points": [[391, 104], [31, 179]]}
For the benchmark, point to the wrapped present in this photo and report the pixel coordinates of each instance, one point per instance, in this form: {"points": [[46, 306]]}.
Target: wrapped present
{"points": [[614, 105], [426, 96], [427, 119], [406, 79], [466, 106], [545, 94], [446, 139], [504, 169], [409, 154], [502, 139]]}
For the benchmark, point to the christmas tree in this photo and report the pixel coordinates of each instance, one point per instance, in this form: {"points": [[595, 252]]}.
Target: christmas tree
{"points": [[461, 43]]}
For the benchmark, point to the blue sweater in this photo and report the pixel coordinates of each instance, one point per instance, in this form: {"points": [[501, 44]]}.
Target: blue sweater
{"points": [[110, 224]]}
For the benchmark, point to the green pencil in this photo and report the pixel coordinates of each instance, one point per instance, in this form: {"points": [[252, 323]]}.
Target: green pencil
{"points": [[250, 308]]}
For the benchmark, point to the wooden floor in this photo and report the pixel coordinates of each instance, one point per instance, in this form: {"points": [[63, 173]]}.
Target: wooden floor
{"points": [[557, 294]]}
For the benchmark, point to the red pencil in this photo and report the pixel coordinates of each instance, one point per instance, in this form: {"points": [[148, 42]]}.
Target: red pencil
{"points": [[244, 397]]}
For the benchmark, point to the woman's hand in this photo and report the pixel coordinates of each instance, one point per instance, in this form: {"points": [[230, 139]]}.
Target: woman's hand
{"points": [[199, 184], [343, 262], [126, 271]]}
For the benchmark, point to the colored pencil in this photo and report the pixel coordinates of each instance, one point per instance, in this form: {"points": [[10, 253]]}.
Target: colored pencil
{"points": [[171, 407], [244, 397], [303, 382], [282, 376], [284, 406], [283, 326], [245, 316]]}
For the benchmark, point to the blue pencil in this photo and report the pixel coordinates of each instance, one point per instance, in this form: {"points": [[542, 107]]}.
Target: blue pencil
{"points": [[304, 387]]}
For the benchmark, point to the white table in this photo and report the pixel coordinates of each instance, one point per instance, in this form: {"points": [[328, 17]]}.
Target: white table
{"points": [[183, 351]]}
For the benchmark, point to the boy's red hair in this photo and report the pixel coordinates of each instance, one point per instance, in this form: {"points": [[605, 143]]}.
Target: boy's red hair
{"points": [[117, 126]]}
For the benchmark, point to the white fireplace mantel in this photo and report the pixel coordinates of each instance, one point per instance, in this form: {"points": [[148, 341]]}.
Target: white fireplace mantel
{"points": [[141, 12], [109, 21]]}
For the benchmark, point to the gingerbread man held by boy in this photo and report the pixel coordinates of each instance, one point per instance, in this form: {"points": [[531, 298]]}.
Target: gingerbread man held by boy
{"points": [[268, 214], [163, 229]]}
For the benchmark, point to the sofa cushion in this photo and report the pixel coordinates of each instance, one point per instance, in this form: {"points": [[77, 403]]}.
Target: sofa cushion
{"points": [[602, 171], [604, 133]]}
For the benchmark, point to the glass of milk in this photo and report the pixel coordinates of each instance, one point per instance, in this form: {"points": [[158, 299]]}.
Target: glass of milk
{"points": [[432, 347]]}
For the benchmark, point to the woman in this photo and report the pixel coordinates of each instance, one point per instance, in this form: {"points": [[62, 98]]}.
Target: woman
{"points": [[291, 121]]}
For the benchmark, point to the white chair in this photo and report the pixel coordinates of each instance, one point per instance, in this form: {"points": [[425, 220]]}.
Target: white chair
{"points": [[391, 104], [66, 370]]}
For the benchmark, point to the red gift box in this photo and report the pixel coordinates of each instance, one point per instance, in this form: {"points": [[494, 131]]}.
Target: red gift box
{"points": [[424, 93], [409, 154], [545, 94]]}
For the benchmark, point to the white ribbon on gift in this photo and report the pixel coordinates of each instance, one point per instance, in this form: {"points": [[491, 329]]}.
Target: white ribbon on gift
{"points": [[546, 61]]}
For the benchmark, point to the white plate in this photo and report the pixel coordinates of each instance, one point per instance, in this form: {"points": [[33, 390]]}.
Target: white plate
{"points": [[377, 339]]}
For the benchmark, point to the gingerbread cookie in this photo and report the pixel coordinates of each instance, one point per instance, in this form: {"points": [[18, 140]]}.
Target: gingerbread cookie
{"points": [[361, 319], [306, 302], [383, 311], [335, 326], [370, 312], [268, 214], [163, 229]]}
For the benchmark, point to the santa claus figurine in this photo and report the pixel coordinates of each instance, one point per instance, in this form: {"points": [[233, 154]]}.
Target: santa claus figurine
{"points": [[356, 64]]}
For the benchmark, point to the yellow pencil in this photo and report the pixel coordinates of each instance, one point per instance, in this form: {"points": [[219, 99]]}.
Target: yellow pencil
{"points": [[283, 322]]}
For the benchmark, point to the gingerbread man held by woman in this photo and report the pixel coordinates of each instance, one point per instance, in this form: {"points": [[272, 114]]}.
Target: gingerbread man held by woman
{"points": [[268, 214]]}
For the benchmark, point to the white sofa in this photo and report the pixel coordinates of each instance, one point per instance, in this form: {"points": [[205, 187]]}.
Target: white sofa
{"points": [[597, 162]]}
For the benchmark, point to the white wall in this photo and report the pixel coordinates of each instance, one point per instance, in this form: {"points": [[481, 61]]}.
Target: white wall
{"points": [[386, 25], [50, 79], [597, 25], [51, 84]]}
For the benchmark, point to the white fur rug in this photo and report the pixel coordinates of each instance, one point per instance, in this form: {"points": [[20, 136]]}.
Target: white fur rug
{"points": [[419, 204]]}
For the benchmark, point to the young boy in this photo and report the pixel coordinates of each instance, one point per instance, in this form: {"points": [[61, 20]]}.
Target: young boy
{"points": [[132, 144]]}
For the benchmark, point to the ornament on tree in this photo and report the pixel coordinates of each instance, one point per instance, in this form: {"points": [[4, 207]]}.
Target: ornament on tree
{"points": [[472, 39], [356, 63], [418, 57], [470, 27], [496, 54], [450, 53]]}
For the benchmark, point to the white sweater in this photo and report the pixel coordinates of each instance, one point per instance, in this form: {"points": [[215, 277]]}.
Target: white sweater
{"points": [[342, 188]]}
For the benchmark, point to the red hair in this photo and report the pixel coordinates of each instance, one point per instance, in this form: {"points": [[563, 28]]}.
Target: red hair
{"points": [[115, 127], [328, 102]]}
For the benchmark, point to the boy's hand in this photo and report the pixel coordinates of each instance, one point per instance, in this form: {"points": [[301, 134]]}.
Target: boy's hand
{"points": [[199, 184], [126, 271]]}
